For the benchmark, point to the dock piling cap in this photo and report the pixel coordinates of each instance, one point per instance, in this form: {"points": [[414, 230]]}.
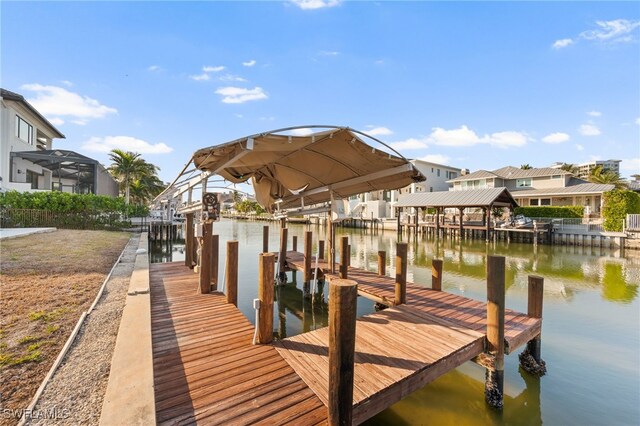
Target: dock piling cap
{"points": [[341, 282]]}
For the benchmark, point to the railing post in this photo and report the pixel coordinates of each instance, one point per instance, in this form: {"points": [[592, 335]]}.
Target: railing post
{"points": [[344, 257], [265, 238], [401, 274], [382, 263], [215, 258], [321, 250], [231, 284], [188, 241], [205, 260], [265, 294], [436, 274], [342, 342], [294, 243], [530, 359], [282, 257], [494, 383]]}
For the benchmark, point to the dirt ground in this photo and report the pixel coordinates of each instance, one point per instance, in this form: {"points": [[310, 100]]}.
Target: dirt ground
{"points": [[46, 282]]}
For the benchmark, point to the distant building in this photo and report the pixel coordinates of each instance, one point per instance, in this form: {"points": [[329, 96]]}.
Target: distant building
{"points": [[584, 170], [379, 204], [545, 186], [28, 161]]}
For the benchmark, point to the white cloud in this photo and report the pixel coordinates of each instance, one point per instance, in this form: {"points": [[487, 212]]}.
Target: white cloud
{"points": [[618, 30], [315, 4], [249, 63], [328, 53], [435, 158], [409, 144], [57, 101], [56, 121], [231, 77], [559, 44], [208, 68], [302, 132], [200, 77], [579, 147], [456, 137], [557, 137], [379, 62], [239, 95], [67, 83], [79, 122], [153, 68], [631, 164], [638, 121], [267, 118], [589, 130], [506, 139], [127, 143], [378, 131], [594, 113], [239, 115]]}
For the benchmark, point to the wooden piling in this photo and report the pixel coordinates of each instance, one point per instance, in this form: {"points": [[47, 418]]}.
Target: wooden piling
{"points": [[231, 284], [308, 240], [436, 274], [534, 309], [265, 294], [344, 257], [215, 261], [188, 243], [265, 239], [205, 256], [342, 341], [382, 262], [401, 273], [321, 250], [494, 384], [294, 245]]}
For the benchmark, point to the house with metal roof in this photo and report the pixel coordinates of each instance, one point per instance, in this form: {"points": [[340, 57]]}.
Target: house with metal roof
{"points": [[543, 186], [28, 161]]}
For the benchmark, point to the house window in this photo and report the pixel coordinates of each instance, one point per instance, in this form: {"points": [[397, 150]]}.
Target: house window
{"points": [[32, 178], [545, 201], [533, 202], [386, 196], [432, 170], [523, 183], [438, 170], [556, 177], [24, 130], [431, 189]]}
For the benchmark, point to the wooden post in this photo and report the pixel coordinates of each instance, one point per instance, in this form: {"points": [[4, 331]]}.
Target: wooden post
{"points": [[461, 227], [265, 239], [295, 243], [232, 272], [332, 246], [398, 226], [437, 221], [188, 243], [205, 255], [349, 256], [382, 263], [282, 257], [265, 294], [494, 384], [436, 274], [401, 273], [308, 240], [416, 220], [342, 342], [321, 250], [489, 222], [215, 257], [534, 310], [344, 257]]}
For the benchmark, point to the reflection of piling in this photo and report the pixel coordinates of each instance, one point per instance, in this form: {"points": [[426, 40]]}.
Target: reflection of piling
{"points": [[282, 257], [308, 239], [494, 383], [342, 340]]}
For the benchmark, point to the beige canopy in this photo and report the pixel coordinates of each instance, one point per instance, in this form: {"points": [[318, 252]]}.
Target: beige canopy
{"points": [[298, 171]]}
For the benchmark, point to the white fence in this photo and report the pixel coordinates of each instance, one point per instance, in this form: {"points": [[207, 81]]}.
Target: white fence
{"points": [[633, 222]]}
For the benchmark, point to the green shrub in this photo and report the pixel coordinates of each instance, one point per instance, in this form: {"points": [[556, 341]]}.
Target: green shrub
{"points": [[551, 211], [617, 204]]}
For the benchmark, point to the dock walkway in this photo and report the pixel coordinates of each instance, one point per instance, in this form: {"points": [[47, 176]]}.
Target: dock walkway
{"points": [[206, 369]]}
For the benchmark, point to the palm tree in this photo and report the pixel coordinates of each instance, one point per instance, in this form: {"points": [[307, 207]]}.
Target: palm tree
{"points": [[127, 166], [598, 175], [569, 168], [525, 167]]}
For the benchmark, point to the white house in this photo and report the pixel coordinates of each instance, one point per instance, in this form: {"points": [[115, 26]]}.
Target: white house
{"points": [[28, 161]]}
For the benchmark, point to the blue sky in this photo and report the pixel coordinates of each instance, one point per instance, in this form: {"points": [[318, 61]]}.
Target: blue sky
{"points": [[473, 85]]}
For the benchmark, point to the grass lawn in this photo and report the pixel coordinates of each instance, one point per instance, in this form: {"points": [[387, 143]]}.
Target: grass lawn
{"points": [[46, 282]]}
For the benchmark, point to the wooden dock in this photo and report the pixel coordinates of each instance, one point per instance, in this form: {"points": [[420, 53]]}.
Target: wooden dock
{"points": [[206, 369]]}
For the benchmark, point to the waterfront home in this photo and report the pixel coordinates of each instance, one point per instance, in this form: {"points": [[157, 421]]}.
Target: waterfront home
{"points": [[28, 161], [544, 186]]}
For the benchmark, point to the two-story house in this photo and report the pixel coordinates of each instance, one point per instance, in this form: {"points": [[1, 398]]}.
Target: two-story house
{"points": [[544, 186], [28, 161]]}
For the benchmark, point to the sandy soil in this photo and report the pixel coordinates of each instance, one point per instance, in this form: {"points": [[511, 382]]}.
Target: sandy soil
{"points": [[46, 282]]}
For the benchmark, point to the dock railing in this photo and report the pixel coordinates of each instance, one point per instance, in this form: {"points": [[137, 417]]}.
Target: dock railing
{"points": [[632, 222]]}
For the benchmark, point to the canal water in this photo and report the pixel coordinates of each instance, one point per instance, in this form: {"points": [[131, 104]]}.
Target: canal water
{"points": [[590, 337]]}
